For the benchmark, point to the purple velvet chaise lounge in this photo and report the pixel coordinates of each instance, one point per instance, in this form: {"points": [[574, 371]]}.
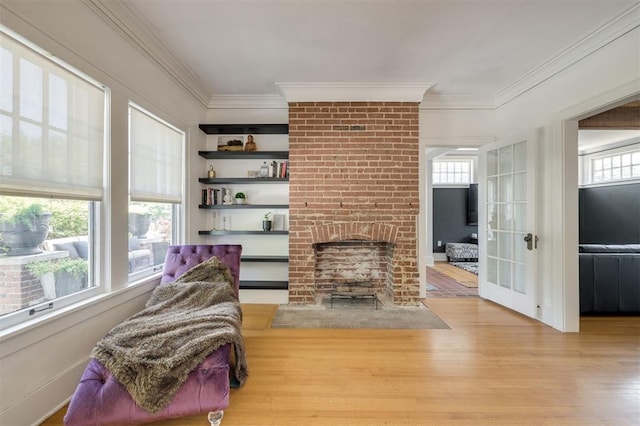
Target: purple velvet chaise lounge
{"points": [[99, 399]]}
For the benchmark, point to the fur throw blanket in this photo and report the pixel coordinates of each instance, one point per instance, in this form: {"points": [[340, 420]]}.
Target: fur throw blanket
{"points": [[153, 352]]}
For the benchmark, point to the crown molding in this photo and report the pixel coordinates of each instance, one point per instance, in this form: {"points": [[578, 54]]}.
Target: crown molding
{"points": [[456, 141], [617, 27], [136, 32], [354, 92], [247, 102], [457, 102]]}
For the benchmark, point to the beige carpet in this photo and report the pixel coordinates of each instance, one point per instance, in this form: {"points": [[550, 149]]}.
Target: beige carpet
{"points": [[358, 314]]}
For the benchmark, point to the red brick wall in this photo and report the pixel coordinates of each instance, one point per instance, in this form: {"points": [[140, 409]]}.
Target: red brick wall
{"points": [[18, 288], [354, 175]]}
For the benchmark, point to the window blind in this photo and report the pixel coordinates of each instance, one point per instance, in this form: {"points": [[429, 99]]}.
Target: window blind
{"points": [[52, 125], [155, 158]]}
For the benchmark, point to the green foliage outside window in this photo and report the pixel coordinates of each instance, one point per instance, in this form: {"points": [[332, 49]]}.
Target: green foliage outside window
{"points": [[69, 218]]}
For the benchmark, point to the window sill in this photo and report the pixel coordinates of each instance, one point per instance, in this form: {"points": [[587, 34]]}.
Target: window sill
{"points": [[16, 338]]}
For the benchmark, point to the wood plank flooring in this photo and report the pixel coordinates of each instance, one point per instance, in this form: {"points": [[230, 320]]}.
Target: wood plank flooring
{"points": [[494, 367], [465, 278], [442, 282]]}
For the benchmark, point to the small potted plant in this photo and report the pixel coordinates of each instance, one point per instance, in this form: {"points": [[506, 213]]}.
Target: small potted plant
{"points": [[61, 276], [266, 222], [240, 198], [24, 228]]}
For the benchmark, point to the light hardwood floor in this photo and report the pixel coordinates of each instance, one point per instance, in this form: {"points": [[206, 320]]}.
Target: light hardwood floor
{"points": [[493, 367]]}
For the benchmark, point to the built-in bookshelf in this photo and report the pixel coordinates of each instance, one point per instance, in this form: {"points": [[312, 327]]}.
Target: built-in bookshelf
{"points": [[273, 171]]}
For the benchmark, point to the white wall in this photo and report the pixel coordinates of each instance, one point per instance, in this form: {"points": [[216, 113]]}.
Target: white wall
{"points": [[457, 127], [41, 365]]}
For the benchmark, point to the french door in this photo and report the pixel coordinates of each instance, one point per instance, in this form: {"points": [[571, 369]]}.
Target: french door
{"points": [[507, 228]]}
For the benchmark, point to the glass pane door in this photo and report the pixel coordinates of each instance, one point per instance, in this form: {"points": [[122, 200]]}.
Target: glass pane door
{"points": [[506, 265]]}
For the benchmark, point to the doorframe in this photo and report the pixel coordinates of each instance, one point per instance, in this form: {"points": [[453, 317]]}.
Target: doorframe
{"points": [[425, 216], [565, 310]]}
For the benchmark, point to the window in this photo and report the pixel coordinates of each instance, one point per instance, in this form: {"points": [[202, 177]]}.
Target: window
{"points": [[452, 172], [52, 143], [616, 167], [155, 179]]}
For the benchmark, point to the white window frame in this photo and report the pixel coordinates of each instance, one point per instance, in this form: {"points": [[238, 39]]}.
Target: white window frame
{"points": [[177, 208], [611, 164], [453, 160], [28, 315], [587, 165]]}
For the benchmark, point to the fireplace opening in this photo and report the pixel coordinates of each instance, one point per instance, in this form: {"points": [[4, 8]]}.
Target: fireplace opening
{"points": [[351, 266]]}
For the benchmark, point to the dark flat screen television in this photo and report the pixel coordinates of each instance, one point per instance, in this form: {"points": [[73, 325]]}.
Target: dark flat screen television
{"points": [[472, 204]]}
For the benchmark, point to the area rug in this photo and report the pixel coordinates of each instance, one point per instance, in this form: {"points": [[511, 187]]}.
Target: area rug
{"points": [[361, 314], [467, 266], [444, 274]]}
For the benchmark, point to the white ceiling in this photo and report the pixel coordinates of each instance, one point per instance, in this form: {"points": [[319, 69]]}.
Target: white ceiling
{"points": [[468, 48], [595, 138]]}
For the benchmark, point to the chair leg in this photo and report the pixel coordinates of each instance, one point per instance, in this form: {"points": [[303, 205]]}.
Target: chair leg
{"points": [[215, 417]]}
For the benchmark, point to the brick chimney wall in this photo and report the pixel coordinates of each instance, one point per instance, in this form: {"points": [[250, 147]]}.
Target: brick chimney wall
{"points": [[354, 175]]}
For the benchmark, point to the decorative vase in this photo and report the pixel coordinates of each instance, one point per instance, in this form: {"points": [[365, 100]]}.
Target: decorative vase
{"points": [[139, 224], [266, 225], [22, 239]]}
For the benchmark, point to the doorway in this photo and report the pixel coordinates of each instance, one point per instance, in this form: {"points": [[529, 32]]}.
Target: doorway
{"points": [[565, 315], [608, 210], [451, 219]]}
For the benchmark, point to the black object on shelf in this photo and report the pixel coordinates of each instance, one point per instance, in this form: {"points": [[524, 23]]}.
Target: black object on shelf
{"points": [[243, 232], [243, 206], [213, 181], [239, 155], [264, 285], [241, 129]]}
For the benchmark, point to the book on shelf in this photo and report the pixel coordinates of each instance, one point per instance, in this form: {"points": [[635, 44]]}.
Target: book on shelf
{"points": [[279, 222], [279, 169], [212, 196]]}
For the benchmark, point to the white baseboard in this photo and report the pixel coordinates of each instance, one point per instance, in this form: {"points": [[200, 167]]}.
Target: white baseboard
{"points": [[440, 257]]}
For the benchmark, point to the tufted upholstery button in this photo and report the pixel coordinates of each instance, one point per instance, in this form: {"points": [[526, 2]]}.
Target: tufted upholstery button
{"points": [[181, 258]]}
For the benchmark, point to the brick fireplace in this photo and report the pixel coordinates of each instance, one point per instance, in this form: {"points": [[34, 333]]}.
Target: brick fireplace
{"points": [[354, 178]]}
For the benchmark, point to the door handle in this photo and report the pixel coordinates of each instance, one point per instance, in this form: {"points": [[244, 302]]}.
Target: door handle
{"points": [[532, 242]]}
